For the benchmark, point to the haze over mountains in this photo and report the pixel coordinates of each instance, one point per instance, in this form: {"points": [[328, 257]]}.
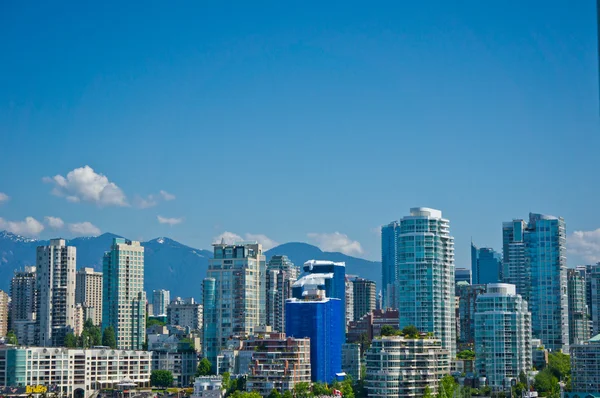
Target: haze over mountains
{"points": [[168, 264]]}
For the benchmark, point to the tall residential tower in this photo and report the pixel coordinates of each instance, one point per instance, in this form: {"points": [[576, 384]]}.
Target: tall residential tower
{"points": [[123, 292], [55, 292], [88, 293], [425, 275]]}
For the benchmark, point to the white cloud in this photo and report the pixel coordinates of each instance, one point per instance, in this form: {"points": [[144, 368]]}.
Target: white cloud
{"points": [[167, 196], [29, 227], [84, 184], [266, 242], [85, 228], [336, 242], [585, 244], [142, 203], [54, 222], [231, 238], [170, 221], [227, 237], [3, 197]]}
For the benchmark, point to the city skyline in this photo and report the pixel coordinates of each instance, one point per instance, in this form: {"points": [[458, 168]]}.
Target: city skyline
{"points": [[288, 85]]}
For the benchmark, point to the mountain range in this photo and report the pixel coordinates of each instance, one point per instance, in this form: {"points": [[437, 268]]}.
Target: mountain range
{"points": [[169, 264]]}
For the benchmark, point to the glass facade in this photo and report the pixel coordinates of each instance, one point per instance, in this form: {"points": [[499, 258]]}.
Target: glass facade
{"points": [[425, 275], [389, 262], [502, 336], [534, 260], [486, 264], [579, 323]]}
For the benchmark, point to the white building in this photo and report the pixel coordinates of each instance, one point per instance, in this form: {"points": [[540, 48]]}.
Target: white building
{"points": [[160, 301], [185, 312], [123, 293], [349, 311], [425, 275], [400, 367], [75, 372], [175, 354], [208, 387], [3, 313], [502, 336], [88, 293], [281, 275], [55, 287]]}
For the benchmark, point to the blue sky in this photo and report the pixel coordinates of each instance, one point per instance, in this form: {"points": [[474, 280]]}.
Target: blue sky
{"points": [[300, 121]]}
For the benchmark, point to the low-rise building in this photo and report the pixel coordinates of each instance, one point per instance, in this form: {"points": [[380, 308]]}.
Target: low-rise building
{"points": [[185, 312], [401, 367], [585, 369], [177, 355], [208, 387], [75, 372], [370, 324], [276, 362]]}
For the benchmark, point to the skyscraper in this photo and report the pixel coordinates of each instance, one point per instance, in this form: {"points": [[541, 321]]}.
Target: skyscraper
{"points": [[349, 301], [593, 293], [88, 293], [238, 271], [281, 275], [502, 336], [535, 262], [579, 324], [389, 263], [3, 313], [486, 265], [462, 275], [123, 293], [328, 276], [364, 297], [23, 304], [321, 319], [55, 286], [467, 307], [160, 301], [211, 344], [425, 285]]}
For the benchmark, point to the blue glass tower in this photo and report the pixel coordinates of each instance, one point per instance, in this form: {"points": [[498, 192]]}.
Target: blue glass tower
{"points": [[210, 340], [389, 262], [322, 320], [326, 275], [486, 265]]}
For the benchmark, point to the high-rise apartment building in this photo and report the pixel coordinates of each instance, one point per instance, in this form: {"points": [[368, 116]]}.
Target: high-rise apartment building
{"points": [[23, 302], [238, 304], [277, 362], [364, 297], [211, 342], [535, 262], [321, 319], [88, 293], [585, 369], [281, 275], [593, 295], [185, 312], [502, 336], [55, 286], [486, 265], [349, 301], [123, 293], [400, 367], [389, 263], [3, 313], [579, 324], [351, 360], [425, 271], [467, 307], [160, 302]]}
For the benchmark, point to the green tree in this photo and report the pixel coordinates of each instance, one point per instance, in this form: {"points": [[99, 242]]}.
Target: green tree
{"points": [[545, 381], [364, 342], [287, 394], [523, 378], [320, 389], [108, 337], [518, 389], [204, 368], [11, 338], [466, 354], [161, 378], [427, 393], [153, 321], [70, 340], [447, 387], [274, 394], [302, 390], [346, 388], [226, 381], [559, 364], [410, 331], [388, 330]]}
